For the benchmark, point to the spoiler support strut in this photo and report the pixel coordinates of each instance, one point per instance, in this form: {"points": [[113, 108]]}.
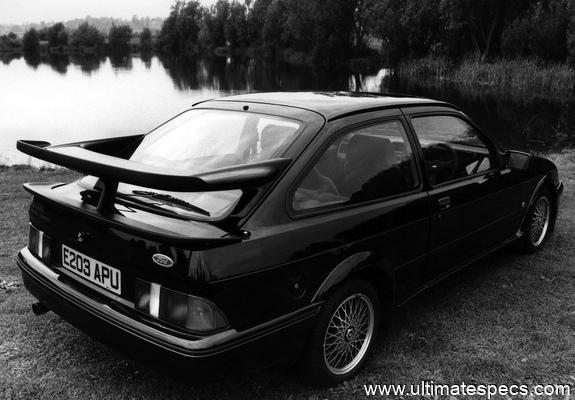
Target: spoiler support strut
{"points": [[106, 202]]}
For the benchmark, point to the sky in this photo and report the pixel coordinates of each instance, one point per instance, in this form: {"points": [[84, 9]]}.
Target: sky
{"points": [[25, 11]]}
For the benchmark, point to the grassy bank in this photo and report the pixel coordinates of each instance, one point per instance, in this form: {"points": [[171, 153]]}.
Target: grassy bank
{"points": [[507, 77], [507, 319]]}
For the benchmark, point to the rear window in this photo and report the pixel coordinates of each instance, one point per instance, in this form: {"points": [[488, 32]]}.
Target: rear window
{"points": [[204, 140]]}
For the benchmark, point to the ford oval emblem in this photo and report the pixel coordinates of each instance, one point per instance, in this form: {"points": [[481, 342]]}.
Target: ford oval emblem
{"points": [[163, 260]]}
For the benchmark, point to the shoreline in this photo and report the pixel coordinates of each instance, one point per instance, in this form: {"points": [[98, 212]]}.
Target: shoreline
{"points": [[514, 77]]}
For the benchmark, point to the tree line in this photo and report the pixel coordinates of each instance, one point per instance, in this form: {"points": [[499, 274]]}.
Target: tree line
{"points": [[331, 30], [319, 28], [85, 38]]}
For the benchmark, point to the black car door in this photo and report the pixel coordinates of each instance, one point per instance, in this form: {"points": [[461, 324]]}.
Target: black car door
{"points": [[474, 206], [362, 193]]}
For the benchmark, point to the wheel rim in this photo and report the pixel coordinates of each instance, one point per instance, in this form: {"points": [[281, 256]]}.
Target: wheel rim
{"points": [[348, 334], [540, 221]]}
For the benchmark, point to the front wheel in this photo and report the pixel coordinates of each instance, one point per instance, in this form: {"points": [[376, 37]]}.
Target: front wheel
{"points": [[538, 222], [344, 334]]}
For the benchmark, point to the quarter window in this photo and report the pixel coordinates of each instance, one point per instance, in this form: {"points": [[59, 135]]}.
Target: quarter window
{"points": [[452, 149], [365, 164]]}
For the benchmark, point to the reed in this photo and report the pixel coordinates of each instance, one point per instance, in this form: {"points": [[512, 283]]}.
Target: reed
{"points": [[515, 77]]}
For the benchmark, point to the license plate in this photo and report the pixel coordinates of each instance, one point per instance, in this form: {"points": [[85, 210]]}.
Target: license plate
{"points": [[92, 270]]}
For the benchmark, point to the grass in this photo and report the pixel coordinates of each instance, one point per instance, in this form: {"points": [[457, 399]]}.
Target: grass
{"points": [[507, 319], [520, 78]]}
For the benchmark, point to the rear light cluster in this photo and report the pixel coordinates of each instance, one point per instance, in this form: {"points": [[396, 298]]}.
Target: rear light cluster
{"points": [[190, 312], [39, 243]]}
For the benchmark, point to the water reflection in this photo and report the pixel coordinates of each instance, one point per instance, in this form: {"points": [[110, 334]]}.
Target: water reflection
{"points": [[121, 61], [33, 59], [77, 97], [59, 62], [235, 74], [6, 58], [88, 63], [147, 59]]}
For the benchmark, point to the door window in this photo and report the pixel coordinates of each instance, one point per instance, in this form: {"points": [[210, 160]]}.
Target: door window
{"points": [[365, 164], [452, 149]]}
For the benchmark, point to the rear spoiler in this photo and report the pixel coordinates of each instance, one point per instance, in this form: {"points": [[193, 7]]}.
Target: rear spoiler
{"points": [[112, 169]]}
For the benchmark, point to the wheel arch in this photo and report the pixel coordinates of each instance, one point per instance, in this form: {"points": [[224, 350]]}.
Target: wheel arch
{"points": [[554, 200], [545, 182], [359, 265]]}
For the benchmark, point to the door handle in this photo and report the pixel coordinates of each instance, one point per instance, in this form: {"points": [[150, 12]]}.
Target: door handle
{"points": [[444, 203]]}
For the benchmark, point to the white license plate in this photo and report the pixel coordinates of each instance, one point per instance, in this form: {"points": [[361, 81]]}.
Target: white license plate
{"points": [[92, 270]]}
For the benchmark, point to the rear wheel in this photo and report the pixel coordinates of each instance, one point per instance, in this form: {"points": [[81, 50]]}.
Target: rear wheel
{"points": [[344, 333], [538, 222]]}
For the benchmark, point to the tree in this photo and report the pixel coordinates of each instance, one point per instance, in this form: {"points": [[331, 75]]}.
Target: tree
{"points": [[480, 21], [272, 29], [87, 36], [57, 35], [168, 38], [236, 25], [256, 21], [180, 31], [299, 25], [333, 27], [188, 26], [408, 28], [541, 32], [218, 14], [119, 38], [571, 41], [30, 42], [363, 21], [146, 43], [9, 42]]}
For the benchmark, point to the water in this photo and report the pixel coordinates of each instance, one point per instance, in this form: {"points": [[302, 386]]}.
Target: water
{"points": [[65, 99]]}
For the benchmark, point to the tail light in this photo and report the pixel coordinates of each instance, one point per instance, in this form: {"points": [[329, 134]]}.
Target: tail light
{"points": [[39, 243], [182, 309]]}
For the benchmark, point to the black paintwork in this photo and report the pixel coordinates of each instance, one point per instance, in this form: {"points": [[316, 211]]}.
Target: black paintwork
{"points": [[267, 260]]}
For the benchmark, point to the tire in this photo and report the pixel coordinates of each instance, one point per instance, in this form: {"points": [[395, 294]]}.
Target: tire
{"points": [[538, 222], [336, 353]]}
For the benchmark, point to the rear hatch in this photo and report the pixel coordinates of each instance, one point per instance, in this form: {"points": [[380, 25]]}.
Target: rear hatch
{"points": [[133, 230], [108, 253]]}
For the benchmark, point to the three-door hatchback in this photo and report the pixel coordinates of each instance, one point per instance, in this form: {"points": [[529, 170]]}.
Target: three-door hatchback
{"points": [[271, 227]]}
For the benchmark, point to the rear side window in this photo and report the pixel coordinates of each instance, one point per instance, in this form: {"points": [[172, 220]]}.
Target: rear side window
{"points": [[366, 164]]}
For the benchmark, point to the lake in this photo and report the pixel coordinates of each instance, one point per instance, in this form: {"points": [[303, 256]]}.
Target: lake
{"points": [[65, 99]]}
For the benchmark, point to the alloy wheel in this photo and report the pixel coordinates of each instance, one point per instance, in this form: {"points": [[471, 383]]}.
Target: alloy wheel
{"points": [[348, 334], [540, 221]]}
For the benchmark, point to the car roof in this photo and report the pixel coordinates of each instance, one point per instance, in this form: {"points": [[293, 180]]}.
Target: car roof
{"points": [[333, 105]]}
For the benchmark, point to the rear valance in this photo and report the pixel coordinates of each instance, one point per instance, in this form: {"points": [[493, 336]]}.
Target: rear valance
{"points": [[111, 169]]}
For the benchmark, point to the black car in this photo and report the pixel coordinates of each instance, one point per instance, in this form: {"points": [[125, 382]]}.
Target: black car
{"points": [[271, 227]]}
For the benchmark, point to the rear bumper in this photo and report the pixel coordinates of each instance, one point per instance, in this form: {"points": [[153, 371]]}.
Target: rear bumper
{"points": [[277, 341]]}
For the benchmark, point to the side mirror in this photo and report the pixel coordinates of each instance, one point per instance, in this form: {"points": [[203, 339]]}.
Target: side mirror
{"points": [[517, 160]]}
